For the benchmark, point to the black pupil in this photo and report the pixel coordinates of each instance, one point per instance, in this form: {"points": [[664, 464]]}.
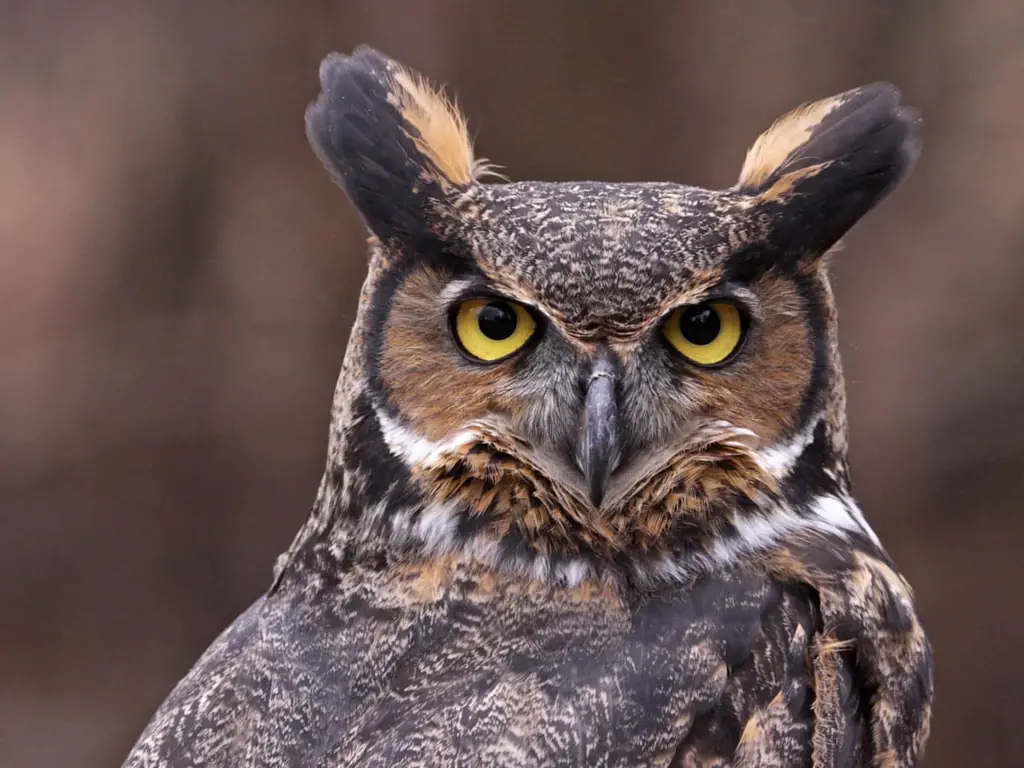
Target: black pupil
{"points": [[497, 321], [700, 325]]}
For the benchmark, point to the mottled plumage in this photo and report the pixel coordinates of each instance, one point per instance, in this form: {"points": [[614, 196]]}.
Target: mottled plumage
{"points": [[597, 546]]}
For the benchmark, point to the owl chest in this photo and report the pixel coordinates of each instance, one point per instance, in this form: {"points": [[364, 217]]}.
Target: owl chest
{"points": [[515, 681]]}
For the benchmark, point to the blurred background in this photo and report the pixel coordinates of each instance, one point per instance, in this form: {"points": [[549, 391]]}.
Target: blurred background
{"points": [[178, 275]]}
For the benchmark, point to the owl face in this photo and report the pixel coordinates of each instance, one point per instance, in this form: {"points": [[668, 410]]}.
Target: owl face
{"points": [[588, 368], [594, 327]]}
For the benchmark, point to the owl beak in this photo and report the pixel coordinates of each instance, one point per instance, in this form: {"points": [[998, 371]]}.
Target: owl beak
{"points": [[598, 452]]}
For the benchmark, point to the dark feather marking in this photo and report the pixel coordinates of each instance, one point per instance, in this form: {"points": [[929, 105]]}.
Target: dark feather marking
{"points": [[810, 290], [362, 139], [836, 160], [808, 478]]}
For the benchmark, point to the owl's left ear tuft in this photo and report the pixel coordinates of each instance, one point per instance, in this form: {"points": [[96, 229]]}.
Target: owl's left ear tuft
{"points": [[398, 147], [820, 168]]}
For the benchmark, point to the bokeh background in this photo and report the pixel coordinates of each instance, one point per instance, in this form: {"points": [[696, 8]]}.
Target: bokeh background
{"points": [[178, 275]]}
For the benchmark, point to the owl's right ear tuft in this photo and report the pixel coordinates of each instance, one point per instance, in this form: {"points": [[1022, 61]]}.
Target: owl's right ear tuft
{"points": [[820, 168], [397, 146]]}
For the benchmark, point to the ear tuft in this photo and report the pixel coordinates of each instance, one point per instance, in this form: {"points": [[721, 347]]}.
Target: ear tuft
{"points": [[824, 165], [866, 121], [397, 146], [437, 126]]}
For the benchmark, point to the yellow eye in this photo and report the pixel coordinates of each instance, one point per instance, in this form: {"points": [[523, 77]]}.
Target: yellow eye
{"points": [[706, 334], [492, 329]]}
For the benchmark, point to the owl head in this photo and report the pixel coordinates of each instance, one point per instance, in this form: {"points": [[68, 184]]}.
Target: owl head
{"points": [[569, 376]]}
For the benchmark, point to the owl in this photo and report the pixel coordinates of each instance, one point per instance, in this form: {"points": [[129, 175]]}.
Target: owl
{"points": [[587, 499]]}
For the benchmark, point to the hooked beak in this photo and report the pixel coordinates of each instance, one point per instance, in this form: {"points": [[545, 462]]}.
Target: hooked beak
{"points": [[598, 452]]}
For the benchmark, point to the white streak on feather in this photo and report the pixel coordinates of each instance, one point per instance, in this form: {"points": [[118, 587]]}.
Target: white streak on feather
{"points": [[755, 533], [843, 512], [827, 513], [416, 450], [778, 459], [453, 290], [540, 568], [437, 527], [573, 573]]}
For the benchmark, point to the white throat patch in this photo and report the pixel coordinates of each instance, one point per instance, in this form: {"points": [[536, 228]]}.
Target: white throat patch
{"points": [[835, 514]]}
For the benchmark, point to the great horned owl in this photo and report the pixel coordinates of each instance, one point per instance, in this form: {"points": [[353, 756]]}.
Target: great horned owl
{"points": [[587, 500]]}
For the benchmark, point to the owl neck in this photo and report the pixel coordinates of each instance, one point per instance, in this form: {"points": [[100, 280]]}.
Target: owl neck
{"points": [[370, 509]]}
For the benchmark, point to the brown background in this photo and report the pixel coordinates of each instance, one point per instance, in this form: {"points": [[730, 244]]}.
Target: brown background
{"points": [[177, 277]]}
